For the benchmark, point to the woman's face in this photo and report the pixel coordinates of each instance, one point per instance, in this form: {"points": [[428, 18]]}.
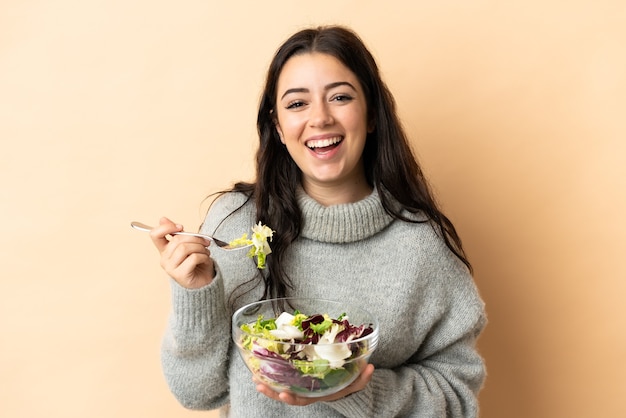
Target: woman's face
{"points": [[321, 118]]}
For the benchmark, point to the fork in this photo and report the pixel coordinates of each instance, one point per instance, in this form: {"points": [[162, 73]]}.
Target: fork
{"points": [[221, 244]]}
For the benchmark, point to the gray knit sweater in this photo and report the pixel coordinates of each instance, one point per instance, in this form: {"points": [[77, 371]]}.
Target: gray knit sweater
{"points": [[429, 310]]}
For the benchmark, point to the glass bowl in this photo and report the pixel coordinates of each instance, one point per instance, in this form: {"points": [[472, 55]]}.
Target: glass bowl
{"points": [[283, 356]]}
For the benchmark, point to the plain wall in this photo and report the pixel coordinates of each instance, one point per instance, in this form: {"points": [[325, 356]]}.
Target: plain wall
{"points": [[113, 111]]}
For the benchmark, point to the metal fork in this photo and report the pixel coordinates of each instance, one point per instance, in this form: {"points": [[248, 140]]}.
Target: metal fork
{"points": [[221, 244]]}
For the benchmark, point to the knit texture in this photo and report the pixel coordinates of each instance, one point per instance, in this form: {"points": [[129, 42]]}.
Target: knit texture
{"points": [[427, 304]]}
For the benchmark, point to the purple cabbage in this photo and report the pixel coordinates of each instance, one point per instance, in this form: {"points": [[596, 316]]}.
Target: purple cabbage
{"points": [[276, 368]]}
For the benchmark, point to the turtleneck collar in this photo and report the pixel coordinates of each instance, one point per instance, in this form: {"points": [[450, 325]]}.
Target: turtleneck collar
{"points": [[344, 222]]}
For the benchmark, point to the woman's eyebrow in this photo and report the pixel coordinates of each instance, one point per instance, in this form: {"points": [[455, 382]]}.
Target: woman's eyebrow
{"points": [[295, 90], [327, 87], [339, 84]]}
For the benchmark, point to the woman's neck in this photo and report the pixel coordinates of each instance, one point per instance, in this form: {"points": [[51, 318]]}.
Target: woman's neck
{"points": [[336, 194]]}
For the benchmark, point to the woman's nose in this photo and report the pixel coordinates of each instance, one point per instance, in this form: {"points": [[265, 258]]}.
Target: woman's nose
{"points": [[320, 116]]}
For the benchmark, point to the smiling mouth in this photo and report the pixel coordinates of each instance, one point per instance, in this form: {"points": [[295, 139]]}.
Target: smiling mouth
{"points": [[321, 145]]}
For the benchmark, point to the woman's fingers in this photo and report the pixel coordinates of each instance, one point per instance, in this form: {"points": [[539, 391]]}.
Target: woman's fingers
{"points": [[188, 261], [184, 258], [159, 233], [183, 254], [289, 398]]}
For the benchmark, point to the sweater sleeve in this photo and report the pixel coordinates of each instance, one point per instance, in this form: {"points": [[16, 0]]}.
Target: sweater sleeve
{"points": [[444, 375], [194, 352], [196, 345]]}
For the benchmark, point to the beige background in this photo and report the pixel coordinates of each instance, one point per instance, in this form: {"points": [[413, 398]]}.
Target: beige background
{"points": [[117, 110]]}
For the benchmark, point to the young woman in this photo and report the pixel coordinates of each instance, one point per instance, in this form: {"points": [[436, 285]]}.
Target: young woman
{"points": [[353, 219]]}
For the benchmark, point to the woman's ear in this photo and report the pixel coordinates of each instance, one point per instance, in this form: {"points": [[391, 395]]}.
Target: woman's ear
{"points": [[280, 132], [277, 126], [371, 125], [371, 122]]}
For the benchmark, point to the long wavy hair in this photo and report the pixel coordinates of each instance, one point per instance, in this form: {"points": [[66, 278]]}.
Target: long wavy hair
{"points": [[389, 162]]}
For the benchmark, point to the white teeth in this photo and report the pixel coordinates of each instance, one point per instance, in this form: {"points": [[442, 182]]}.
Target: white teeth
{"points": [[321, 143]]}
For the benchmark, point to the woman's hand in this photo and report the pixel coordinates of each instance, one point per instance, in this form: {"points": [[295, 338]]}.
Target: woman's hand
{"points": [[292, 399], [186, 259]]}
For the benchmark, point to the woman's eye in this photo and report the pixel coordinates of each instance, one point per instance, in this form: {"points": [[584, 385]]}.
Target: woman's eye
{"points": [[295, 104], [342, 98]]}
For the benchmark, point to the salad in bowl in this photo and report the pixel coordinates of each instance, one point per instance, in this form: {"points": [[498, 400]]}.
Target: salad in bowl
{"points": [[311, 347]]}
